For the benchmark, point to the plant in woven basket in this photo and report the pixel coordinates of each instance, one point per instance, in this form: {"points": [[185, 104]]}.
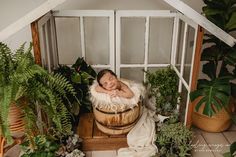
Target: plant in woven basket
{"points": [[174, 140], [21, 78], [164, 87], [215, 92]]}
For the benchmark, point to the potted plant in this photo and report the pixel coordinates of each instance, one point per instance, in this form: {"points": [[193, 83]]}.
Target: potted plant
{"points": [[174, 140], [213, 94], [163, 85], [29, 87]]}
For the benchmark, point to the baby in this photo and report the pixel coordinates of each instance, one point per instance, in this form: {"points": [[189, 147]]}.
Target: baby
{"points": [[109, 84]]}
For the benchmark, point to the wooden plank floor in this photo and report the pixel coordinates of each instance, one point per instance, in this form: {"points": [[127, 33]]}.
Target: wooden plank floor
{"points": [[94, 139], [206, 145]]}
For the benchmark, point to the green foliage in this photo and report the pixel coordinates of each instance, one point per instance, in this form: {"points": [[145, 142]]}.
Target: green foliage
{"points": [[210, 92], [22, 79], [174, 140], [80, 75], [164, 87], [43, 146], [217, 57], [232, 152]]}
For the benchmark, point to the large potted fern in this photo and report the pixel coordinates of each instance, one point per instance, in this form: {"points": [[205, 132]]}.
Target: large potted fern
{"points": [[213, 94], [31, 89]]}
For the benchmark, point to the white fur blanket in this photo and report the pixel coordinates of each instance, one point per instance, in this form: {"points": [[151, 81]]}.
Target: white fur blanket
{"points": [[105, 101]]}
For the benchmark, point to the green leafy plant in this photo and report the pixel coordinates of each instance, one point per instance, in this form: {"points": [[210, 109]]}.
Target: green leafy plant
{"points": [[232, 152], [40, 146], [216, 91], [164, 87], [174, 140], [80, 75], [21, 78], [70, 147]]}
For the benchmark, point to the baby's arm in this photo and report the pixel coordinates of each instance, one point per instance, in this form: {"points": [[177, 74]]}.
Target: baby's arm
{"points": [[99, 89], [125, 91]]}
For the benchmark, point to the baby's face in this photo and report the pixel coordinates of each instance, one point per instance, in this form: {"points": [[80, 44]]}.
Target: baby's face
{"points": [[109, 81]]}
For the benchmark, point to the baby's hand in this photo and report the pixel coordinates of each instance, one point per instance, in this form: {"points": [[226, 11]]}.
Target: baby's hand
{"points": [[112, 93]]}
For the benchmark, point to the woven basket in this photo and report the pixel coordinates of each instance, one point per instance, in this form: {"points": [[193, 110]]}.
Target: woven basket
{"points": [[221, 121], [116, 123]]}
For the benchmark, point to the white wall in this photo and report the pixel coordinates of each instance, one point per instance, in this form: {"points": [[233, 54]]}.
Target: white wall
{"points": [[11, 10], [125, 4]]}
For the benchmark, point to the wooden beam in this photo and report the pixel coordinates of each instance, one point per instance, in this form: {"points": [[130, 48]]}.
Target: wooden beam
{"points": [[29, 18], [202, 21], [195, 73], [36, 42]]}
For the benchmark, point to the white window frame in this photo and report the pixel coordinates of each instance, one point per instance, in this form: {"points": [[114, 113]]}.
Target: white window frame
{"points": [[93, 13], [142, 14]]}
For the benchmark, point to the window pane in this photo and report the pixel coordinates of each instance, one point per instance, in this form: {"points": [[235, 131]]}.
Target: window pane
{"points": [[180, 45], [68, 39], [188, 53], [160, 39], [183, 102], [96, 40], [135, 74], [132, 40]]}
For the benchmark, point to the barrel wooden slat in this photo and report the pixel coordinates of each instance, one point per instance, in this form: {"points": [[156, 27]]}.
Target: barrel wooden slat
{"points": [[116, 123]]}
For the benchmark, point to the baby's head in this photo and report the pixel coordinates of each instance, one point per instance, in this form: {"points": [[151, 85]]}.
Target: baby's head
{"points": [[107, 79]]}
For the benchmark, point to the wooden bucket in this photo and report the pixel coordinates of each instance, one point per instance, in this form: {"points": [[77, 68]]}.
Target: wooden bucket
{"points": [[116, 123]]}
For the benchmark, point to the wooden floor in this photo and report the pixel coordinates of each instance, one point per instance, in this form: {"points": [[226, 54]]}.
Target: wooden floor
{"points": [[205, 145]]}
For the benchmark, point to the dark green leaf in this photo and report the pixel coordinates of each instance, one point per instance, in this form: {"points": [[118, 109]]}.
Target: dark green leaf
{"points": [[233, 148], [232, 22], [210, 69]]}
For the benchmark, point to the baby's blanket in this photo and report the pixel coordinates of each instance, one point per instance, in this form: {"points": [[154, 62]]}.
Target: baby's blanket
{"points": [[105, 101], [141, 138]]}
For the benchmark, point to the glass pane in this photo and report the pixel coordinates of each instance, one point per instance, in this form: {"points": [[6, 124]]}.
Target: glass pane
{"points": [[132, 40], [189, 53], [179, 45], [183, 102], [68, 39], [135, 74], [160, 39], [42, 45], [153, 69], [96, 31]]}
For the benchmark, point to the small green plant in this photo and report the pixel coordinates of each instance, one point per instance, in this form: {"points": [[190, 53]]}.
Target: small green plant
{"points": [[40, 146], [80, 75], [232, 152], [164, 87], [174, 140]]}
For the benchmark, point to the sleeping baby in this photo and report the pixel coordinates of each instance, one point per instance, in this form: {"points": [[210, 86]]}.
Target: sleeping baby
{"points": [[108, 83]]}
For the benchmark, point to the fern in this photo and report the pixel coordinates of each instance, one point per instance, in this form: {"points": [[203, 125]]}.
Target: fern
{"points": [[21, 78]]}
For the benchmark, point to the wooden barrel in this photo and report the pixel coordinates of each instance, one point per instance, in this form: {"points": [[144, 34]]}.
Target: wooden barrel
{"points": [[116, 123]]}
